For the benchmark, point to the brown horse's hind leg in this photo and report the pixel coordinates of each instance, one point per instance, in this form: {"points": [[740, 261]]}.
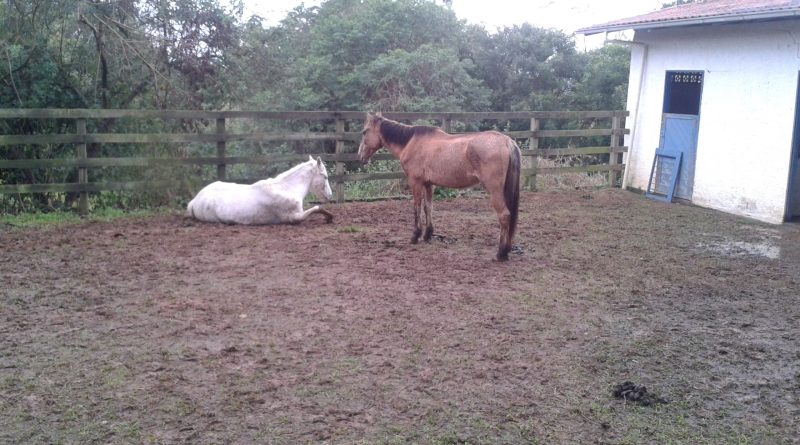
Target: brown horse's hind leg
{"points": [[428, 206], [505, 247], [504, 216]]}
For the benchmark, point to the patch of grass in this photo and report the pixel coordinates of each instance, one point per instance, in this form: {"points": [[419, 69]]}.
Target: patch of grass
{"points": [[131, 430], [378, 188], [39, 220], [347, 366], [440, 193], [115, 377], [668, 424], [183, 408], [450, 438], [567, 180], [9, 383], [36, 220], [349, 229]]}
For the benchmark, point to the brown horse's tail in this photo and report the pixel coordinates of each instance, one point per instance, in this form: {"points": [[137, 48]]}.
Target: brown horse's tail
{"points": [[511, 189]]}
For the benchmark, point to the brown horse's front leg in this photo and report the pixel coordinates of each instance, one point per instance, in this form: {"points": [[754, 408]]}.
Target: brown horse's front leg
{"points": [[417, 192], [427, 205]]}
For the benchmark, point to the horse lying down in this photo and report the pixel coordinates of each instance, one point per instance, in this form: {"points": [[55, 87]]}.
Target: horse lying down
{"points": [[276, 200]]}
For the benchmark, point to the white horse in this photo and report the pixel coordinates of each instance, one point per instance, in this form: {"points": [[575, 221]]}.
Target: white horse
{"points": [[276, 200]]}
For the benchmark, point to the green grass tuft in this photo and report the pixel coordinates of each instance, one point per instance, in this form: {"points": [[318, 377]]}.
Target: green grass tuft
{"points": [[349, 229], [54, 219]]}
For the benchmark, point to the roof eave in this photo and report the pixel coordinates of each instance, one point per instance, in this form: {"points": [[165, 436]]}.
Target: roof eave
{"points": [[771, 15]]}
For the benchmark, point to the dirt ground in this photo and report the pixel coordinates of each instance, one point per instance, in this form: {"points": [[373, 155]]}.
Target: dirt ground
{"points": [[165, 330]]}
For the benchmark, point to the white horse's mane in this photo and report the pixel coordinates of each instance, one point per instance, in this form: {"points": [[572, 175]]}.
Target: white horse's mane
{"points": [[293, 170]]}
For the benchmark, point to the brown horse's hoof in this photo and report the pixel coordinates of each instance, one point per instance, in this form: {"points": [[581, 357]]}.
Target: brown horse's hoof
{"points": [[502, 256], [415, 235]]}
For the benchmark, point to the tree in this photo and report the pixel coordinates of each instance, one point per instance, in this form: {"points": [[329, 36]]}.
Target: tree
{"points": [[194, 44], [426, 79], [324, 50], [527, 67], [100, 54], [604, 81]]}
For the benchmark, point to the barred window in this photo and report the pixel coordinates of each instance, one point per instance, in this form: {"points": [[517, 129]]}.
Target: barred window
{"points": [[682, 92], [691, 77]]}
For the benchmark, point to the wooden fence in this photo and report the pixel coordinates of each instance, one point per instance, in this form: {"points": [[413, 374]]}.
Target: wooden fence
{"points": [[531, 141]]}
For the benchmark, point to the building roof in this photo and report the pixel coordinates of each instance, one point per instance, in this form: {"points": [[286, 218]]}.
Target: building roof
{"points": [[703, 12]]}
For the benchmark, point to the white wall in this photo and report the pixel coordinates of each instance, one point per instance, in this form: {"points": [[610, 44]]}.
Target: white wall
{"points": [[746, 113]]}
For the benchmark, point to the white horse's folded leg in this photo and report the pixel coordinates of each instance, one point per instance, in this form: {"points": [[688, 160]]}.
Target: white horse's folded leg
{"points": [[302, 216], [328, 215]]}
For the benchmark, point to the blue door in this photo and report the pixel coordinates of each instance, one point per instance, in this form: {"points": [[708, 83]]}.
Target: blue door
{"points": [[793, 195], [679, 124], [679, 135], [794, 191]]}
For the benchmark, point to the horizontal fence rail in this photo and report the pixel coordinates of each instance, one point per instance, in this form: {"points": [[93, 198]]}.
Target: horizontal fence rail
{"points": [[529, 139]]}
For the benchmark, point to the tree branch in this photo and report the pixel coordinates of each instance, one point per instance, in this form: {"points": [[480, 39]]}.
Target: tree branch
{"points": [[11, 76]]}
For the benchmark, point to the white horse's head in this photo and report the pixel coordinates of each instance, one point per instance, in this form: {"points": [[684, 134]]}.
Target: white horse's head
{"points": [[319, 180]]}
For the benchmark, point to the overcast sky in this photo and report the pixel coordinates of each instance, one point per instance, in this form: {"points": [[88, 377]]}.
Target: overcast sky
{"points": [[566, 15]]}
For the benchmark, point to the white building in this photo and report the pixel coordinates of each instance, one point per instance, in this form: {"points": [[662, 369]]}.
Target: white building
{"points": [[717, 82]]}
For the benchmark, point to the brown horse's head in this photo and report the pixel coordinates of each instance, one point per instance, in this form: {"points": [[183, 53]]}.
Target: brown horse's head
{"points": [[370, 137]]}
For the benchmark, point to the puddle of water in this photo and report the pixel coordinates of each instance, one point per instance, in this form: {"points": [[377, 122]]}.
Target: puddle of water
{"points": [[740, 248]]}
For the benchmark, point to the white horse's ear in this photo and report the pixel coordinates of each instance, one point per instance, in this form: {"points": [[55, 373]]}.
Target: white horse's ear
{"points": [[310, 158], [319, 161]]}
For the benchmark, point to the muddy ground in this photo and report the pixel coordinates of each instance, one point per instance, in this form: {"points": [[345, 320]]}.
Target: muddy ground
{"points": [[164, 330]]}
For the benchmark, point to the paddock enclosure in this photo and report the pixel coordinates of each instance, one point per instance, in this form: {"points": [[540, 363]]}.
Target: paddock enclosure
{"points": [[167, 330]]}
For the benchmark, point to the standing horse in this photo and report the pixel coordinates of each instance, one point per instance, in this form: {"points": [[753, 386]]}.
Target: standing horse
{"points": [[276, 200], [432, 157]]}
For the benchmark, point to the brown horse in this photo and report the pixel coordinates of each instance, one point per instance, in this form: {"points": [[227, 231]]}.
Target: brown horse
{"points": [[432, 157]]}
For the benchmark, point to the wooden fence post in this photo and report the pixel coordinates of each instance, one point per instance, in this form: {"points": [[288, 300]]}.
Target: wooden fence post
{"points": [[83, 174], [447, 125], [221, 149], [533, 144], [613, 158], [339, 165]]}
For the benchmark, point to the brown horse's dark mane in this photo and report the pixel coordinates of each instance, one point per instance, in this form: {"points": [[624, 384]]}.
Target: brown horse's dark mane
{"points": [[399, 134]]}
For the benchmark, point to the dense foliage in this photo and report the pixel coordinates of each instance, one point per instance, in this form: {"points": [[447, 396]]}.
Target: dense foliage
{"points": [[344, 54], [399, 55]]}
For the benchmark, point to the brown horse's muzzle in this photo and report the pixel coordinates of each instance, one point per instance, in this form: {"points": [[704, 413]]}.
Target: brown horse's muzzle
{"points": [[362, 154]]}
